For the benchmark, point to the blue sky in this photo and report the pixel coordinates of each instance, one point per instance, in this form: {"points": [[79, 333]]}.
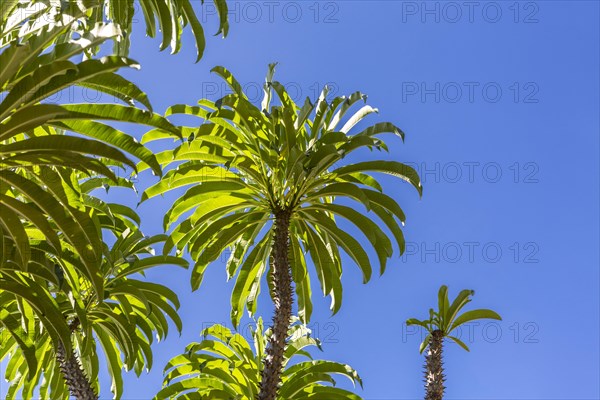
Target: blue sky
{"points": [[500, 104]]}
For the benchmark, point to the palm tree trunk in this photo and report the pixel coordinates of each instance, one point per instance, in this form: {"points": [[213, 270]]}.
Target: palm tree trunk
{"points": [[283, 299], [434, 368], [78, 384]]}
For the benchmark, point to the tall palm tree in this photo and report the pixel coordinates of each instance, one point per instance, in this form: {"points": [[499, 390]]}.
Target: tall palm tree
{"points": [[124, 321], [225, 366], [265, 184], [441, 325], [173, 16]]}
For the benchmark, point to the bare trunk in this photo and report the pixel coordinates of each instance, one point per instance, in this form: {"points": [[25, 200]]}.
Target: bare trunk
{"points": [[434, 368], [283, 299], [78, 384]]}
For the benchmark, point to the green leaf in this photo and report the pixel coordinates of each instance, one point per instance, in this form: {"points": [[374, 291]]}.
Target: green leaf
{"points": [[302, 282], [10, 223], [341, 189], [443, 303], [243, 283], [61, 142], [459, 302], [357, 117], [459, 342], [474, 315], [207, 180], [149, 262], [26, 345], [382, 127], [229, 79], [414, 321], [424, 343], [344, 240], [197, 29], [377, 238], [113, 362], [222, 10], [117, 112], [394, 168], [119, 87]]}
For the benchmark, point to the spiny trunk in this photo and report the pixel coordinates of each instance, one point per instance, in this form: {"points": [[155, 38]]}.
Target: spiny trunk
{"points": [[434, 368], [78, 384], [283, 299]]}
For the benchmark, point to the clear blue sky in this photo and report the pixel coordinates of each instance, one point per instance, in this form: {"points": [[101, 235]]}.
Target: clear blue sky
{"points": [[500, 106]]}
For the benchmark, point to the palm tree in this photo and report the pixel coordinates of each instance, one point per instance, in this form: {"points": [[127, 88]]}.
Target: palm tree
{"points": [[265, 183], [440, 325], [226, 366], [124, 320], [34, 148], [173, 16]]}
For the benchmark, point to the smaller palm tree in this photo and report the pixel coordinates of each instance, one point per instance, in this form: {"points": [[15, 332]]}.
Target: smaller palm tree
{"points": [[56, 328], [225, 366], [440, 325]]}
